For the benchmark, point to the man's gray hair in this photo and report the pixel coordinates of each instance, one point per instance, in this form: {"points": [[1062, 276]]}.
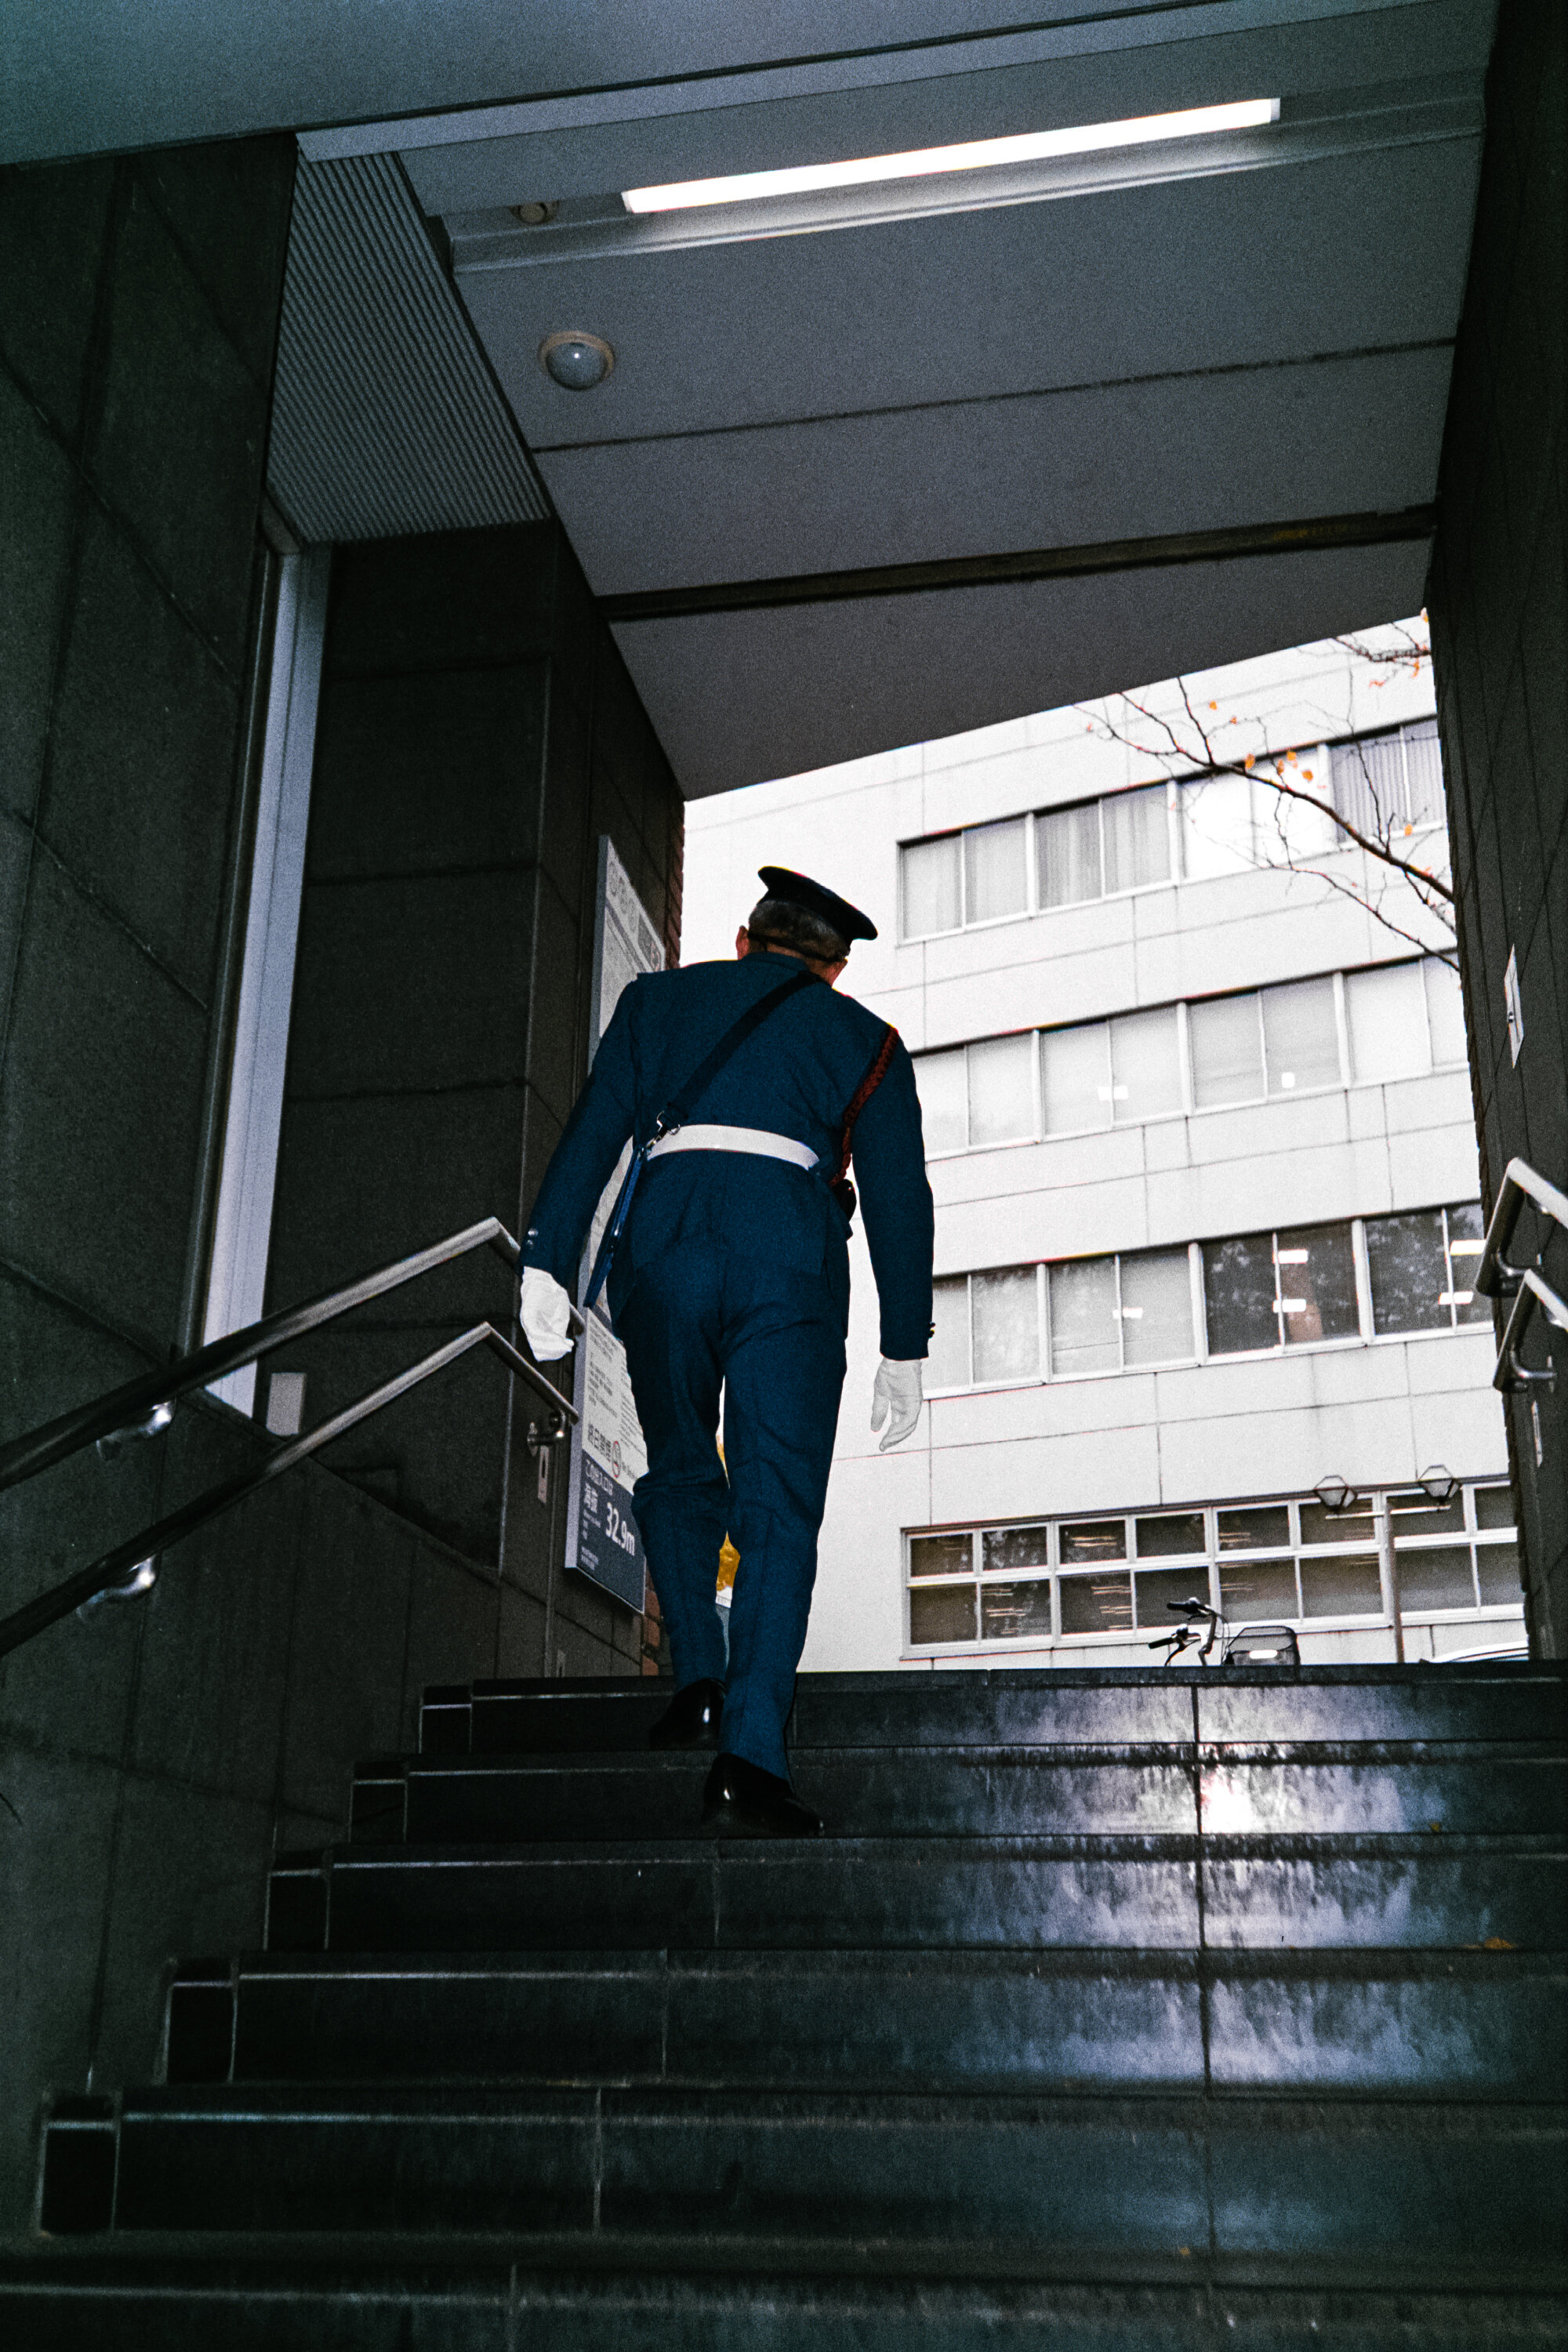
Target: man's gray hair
{"points": [[779, 922]]}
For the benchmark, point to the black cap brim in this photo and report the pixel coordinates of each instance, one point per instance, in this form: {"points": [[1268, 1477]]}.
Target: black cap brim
{"points": [[800, 890]]}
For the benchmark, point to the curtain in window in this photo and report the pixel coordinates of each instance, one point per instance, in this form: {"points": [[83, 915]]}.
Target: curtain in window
{"points": [[1227, 1051], [995, 878], [1156, 1309], [1293, 830], [1074, 1078], [1005, 1308], [940, 1085], [1146, 1065], [1001, 1090], [1069, 851], [947, 1362], [1388, 1020], [1423, 773], [1085, 1333], [931, 874], [1137, 840], [1444, 1011], [1300, 1036], [1216, 826], [1369, 784]]}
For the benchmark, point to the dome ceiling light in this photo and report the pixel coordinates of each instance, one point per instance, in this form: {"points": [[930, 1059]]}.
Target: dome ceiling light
{"points": [[972, 155], [574, 359]]}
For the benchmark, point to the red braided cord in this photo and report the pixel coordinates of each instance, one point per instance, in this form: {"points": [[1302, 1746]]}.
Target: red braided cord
{"points": [[861, 1097]]}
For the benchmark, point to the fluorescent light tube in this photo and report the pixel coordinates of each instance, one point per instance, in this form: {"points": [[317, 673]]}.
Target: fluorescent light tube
{"points": [[973, 155]]}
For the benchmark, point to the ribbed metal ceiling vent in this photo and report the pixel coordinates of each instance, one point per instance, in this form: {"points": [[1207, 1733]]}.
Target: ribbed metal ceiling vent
{"points": [[384, 417]]}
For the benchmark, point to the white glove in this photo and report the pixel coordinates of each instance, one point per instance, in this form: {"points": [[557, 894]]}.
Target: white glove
{"points": [[896, 1391], [546, 1315]]}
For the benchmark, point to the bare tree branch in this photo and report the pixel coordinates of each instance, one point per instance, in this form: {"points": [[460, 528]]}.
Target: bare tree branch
{"points": [[1187, 748]]}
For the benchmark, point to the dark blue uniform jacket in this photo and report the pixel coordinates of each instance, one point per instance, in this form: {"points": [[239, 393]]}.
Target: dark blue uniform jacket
{"points": [[794, 1076]]}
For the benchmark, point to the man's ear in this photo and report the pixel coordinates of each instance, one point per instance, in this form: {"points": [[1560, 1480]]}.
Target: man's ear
{"points": [[742, 943]]}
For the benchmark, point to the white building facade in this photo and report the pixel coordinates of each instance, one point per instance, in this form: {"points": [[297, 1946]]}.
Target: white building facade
{"points": [[1199, 1131]]}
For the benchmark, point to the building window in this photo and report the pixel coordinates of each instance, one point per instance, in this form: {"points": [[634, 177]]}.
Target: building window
{"points": [[1123, 1576], [1293, 1287], [1387, 784], [1422, 1267], [1285, 1289], [1193, 829], [1385, 1009], [932, 874], [995, 871], [1026, 864], [1401, 1021]]}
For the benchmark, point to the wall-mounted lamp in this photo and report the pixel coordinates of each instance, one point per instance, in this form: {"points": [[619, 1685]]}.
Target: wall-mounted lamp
{"points": [[1438, 1485], [574, 359], [1336, 1493]]}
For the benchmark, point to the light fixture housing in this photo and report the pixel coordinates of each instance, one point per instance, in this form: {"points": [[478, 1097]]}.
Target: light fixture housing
{"points": [[1336, 1493], [968, 155], [576, 359], [1438, 1485]]}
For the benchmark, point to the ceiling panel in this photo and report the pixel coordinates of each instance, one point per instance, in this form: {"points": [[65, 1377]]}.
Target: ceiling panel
{"points": [[1191, 274], [1098, 68], [82, 76], [741, 697], [1213, 451]]}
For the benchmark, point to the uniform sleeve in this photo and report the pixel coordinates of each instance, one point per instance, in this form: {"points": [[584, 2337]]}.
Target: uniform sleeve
{"points": [[584, 1159], [895, 1200]]}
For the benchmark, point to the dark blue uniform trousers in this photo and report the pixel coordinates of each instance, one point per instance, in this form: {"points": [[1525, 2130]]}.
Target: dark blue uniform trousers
{"points": [[697, 1317]]}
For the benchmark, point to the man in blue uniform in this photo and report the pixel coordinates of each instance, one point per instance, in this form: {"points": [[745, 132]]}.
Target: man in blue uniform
{"points": [[732, 1272]]}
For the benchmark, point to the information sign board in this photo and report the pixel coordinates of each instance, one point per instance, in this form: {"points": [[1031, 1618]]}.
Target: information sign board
{"points": [[609, 1456]]}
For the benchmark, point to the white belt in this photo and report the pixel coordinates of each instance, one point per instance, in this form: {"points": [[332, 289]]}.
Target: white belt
{"points": [[755, 1139]]}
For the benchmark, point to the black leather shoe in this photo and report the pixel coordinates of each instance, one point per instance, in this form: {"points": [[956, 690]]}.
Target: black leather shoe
{"points": [[743, 1800], [691, 1719]]}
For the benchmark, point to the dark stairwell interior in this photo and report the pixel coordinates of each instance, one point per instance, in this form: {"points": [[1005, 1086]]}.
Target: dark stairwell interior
{"points": [[1273, 1966]]}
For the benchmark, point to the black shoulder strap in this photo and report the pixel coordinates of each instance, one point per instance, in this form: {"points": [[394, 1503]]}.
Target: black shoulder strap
{"points": [[679, 1109]]}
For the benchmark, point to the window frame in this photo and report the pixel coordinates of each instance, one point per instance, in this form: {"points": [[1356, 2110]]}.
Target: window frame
{"points": [[1366, 1334], [1189, 1107], [1030, 819], [1379, 1538]]}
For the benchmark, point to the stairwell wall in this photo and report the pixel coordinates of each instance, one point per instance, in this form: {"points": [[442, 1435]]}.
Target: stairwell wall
{"points": [[155, 1753], [478, 733], [1498, 601]]}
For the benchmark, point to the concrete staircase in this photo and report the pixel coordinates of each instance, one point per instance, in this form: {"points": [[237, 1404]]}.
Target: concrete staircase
{"points": [[1120, 2009]]}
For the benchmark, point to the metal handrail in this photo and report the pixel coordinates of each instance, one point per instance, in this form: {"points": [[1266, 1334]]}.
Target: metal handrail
{"points": [[1494, 1278], [1526, 1285], [88, 1582], [24, 1457], [139, 1406], [1511, 1374]]}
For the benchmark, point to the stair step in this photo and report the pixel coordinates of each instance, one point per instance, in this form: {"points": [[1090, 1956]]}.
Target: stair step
{"points": [[1106, 2181], [1017, 1706], [1456, 2025], [983, 1789], [988, 1893], [168, 2292]]}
